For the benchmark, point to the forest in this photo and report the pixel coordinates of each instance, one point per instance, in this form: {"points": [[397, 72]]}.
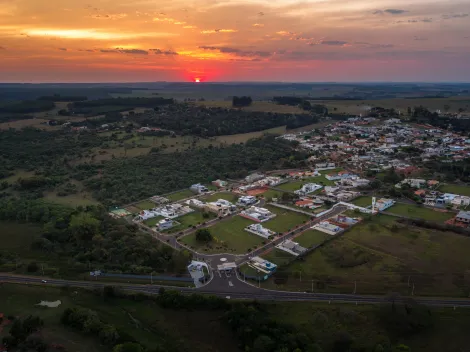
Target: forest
{"points": [[189, 119], [26, 106]]}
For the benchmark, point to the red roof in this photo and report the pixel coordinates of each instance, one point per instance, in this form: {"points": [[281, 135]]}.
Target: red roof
{"points": [[303, 202]]}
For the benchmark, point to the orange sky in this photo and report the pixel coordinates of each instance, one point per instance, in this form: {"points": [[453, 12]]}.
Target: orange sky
{"points": [[225, 40]]}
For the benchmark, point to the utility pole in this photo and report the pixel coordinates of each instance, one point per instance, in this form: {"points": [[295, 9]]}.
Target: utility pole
{"points": [[151, 278], [355, 287], [312, 285], [413, 290], [42, 267]]}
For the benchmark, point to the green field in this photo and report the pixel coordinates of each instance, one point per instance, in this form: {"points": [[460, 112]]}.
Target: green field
{"points": [[270, 193], [421, 212], [229, 237], [285, 220], [191, 219], [278, 257], [73, 200], [145, 205], [311, 238], [455, 189], [363, 201], [153, 221], [381, 255], [147, 322], [174, 197], [231, 197]]}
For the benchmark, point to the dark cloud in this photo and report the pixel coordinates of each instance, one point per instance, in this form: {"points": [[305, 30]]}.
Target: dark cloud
{"points": [[125, 51], [163, 52], [333, 42], [374, 46], [87, 50], [62, 49], [389, 11], [458, 15], [238, 52]]}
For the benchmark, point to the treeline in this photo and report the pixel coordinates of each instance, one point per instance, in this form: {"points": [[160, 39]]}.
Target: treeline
{"points": [[23, 335], [239, 102], [125, 102], [422, 115], [126, 180], [63, 98], [452, 171], [26, 106], [89, 237], [189, 119], [303, 103]]}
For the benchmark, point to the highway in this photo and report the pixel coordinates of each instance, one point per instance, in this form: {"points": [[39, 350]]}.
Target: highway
{"points": [[242, 291]]}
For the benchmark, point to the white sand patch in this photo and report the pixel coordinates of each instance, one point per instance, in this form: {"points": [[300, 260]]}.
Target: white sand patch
{"points": [[49, 304]]}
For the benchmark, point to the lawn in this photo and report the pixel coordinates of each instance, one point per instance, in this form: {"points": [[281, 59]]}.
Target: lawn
{"points": [[229, 237], [153, 221], [311, 238], [233, 198], [421, 212], [174, 197], [270, 193], [191, 219], [381, 255], [455, 189], [145, 205], [278, 257], [285, 220], [363, 201]]}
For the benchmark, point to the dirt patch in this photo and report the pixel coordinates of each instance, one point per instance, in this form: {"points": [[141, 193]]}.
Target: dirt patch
{"points": [[48, 304]]}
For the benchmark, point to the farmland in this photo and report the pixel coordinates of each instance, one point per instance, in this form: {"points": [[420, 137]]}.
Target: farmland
{"points": [[229, 237], [383, 256]]}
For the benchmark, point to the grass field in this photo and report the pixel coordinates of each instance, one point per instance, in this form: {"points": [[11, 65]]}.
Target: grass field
{"points": [[322, 180], [455, 189], [414, 211], [381, 256], [191, 219], [263, 106], [278, 257], [229, 237], [145, 205], [269, 194], [311, 238], [73, 200], [285, 220], [363, 201], [153, 221], [145, 321], [174, 197]]}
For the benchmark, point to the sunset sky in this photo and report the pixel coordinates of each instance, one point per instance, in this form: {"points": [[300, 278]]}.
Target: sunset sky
{"points": [[234, 40]]}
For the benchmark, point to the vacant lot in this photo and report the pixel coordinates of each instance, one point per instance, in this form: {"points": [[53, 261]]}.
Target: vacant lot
{"points": [[311, 238], [73, 200], [145, 205], [229, 237], [456, 189], [231, 197], [153, 221], [362, 201], [174, 197], [421, 212], [382, 256], [285, 220], [278, 257]]}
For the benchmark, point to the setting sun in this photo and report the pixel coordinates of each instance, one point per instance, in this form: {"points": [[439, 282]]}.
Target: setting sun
{"points": [[197, 80]]}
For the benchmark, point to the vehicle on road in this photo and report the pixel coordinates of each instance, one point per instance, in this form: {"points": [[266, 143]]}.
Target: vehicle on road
{"points": [[44, 281]]}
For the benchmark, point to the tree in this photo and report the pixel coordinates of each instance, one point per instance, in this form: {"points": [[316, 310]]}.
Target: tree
{"points": [[204, 235], [128, 347], [32, 267], [263, 343]]}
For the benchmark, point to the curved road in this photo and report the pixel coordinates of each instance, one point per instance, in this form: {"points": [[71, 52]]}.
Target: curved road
{"points": [[241, 290]]}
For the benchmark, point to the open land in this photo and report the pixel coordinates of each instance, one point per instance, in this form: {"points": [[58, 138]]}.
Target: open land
{"points": [[382, 256], [229, 237], [311, 238], [421, 212], [285, 220], [189, 220], [455, 189]]}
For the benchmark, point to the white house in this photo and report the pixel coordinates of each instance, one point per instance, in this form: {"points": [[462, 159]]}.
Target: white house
{"points": [[291, 247], [198, 188], [383, 204], [257, 214], [327, 228], [247, 200], [259, 230], [165, 224], [308, 188]]}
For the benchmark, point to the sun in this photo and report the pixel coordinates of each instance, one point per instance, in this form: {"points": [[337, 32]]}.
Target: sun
{"points": [[197, 80]]}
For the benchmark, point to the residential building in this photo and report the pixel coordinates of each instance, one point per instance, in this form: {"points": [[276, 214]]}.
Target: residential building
{"points": [[247, 200], [253, 177], [259, 230], [383, 204], [257, 214], [308, 188], [220, 183], [218, 209], [198, 188], [291, 247], [263, 264], [165, 224], [327, 228], [412, 182], [463, 216]]}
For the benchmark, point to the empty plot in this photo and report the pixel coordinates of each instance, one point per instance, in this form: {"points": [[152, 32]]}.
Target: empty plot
{"points": [[174, 197], [285, 220], [145, 205], [222, 195], [229, 237], [363, 201], [189, 220], [456, 189], [420, 212], [311, 238], [278, 257]]}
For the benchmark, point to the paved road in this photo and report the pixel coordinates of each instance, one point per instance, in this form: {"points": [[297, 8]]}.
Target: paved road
{"points": [[240, 290]]}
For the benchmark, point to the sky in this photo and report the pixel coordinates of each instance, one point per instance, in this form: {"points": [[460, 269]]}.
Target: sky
{"points": [[234, 40]]}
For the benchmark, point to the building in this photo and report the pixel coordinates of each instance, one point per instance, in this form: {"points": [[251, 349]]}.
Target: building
{"points": [[195, 203], [308, 188], [383, 204], [263, 265], [253, 177], [198, 188], [220, 183], [412, 182], [257, 214], [259, 230], [291, 247], [165, 224], [327, 228], [463, 216], [221, 207], [247, 200]]}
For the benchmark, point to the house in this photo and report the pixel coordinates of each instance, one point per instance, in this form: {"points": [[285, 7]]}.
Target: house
{"points": [[165, 224], [383, 204], [308, 188], [253, 177], [304, 203], [463, 216], [263, 264], [218, 209], [327, 228], [420, 192], [220, 183], [259, 230], [195, 203], [257, 214], [247, 200], [291, 247], [198, 188]]}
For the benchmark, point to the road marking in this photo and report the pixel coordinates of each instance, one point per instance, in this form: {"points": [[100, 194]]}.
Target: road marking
{"points": [[230, 283]]}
